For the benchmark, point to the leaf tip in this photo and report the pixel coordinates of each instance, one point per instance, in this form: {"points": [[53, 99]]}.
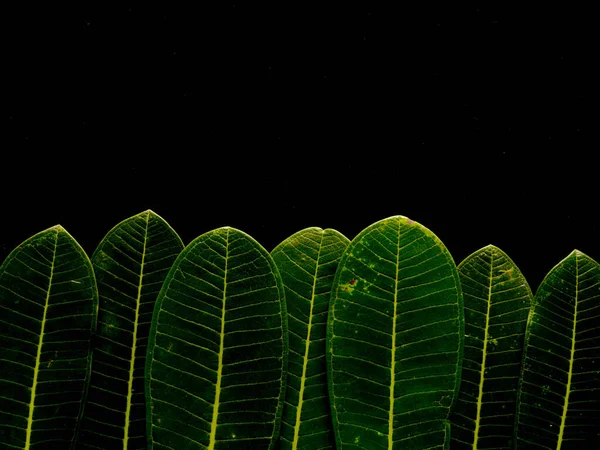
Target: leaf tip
{"points": [[406, 219], [490, 247], [494, 250], [578, 254], [147, 213], [574, 255]]}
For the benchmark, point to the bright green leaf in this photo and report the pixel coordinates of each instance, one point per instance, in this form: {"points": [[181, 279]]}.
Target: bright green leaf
{"points": [[307, 261], [217, 351], [131, 264], [48, 307], [497, 300], [559, 394], [394, 339]]}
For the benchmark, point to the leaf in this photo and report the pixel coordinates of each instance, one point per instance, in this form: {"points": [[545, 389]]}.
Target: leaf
{"points": [[131, 264], [48, 306], [497, 300], [394, 339], [559, 392], [307, 262], [217, 351]]}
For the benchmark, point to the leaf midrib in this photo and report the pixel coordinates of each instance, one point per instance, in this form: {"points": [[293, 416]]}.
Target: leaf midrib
{"points": [[36, 369], [306, 350], [393, 359], [484, 353], [571, 359], [134, 339], [213, 424]]}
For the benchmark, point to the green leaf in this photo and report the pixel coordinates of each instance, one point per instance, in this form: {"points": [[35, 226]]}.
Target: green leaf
{"points": [[307, 261], [131, 264], [217, 352], [395, 339], [497, 301], [48, 307], [559, 392]]}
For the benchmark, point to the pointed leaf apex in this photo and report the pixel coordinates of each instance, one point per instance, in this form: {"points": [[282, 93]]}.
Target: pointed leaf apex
{"points": [[58, 228], [495, 250], [579, 254], [574, 255]]}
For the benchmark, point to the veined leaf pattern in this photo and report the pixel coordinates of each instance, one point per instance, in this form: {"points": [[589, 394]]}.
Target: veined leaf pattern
{"points": [[217, 352], [559, 393], [48, 307], [307, 262], [497, 301], [131, 264], [394, 339]]}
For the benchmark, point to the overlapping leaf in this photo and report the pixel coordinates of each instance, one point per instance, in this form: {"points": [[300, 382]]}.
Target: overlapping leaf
{"points": [[497, 300], [48, 306], [394, 339], [131, 264], [217, 352], [559, 393], [307, 261]]}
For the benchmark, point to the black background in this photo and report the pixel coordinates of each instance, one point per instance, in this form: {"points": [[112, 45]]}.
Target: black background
{"points": [[478, 122]]}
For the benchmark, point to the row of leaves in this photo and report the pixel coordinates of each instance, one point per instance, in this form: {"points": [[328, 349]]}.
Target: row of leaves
{"points": [[379, 342]]}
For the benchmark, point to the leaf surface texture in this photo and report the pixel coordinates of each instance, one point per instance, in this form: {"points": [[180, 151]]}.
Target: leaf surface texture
{"points": [[217, 351], [131, 264], [307, 261], [48, 305], [497, 301], [559, 394], [394, 339]]}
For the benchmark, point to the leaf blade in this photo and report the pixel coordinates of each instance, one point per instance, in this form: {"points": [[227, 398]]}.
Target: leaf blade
{"points": [[49, 301], [497, 300], [307, 262], [559, 389], [131, 263], [222, 273], [392, 275]]}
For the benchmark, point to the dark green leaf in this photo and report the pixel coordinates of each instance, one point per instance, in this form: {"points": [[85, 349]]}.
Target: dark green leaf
{"points": [[131, 264], [497, 300], [217, 351], [395, 339], [48, 307], [559, 393], [307, 262]]}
